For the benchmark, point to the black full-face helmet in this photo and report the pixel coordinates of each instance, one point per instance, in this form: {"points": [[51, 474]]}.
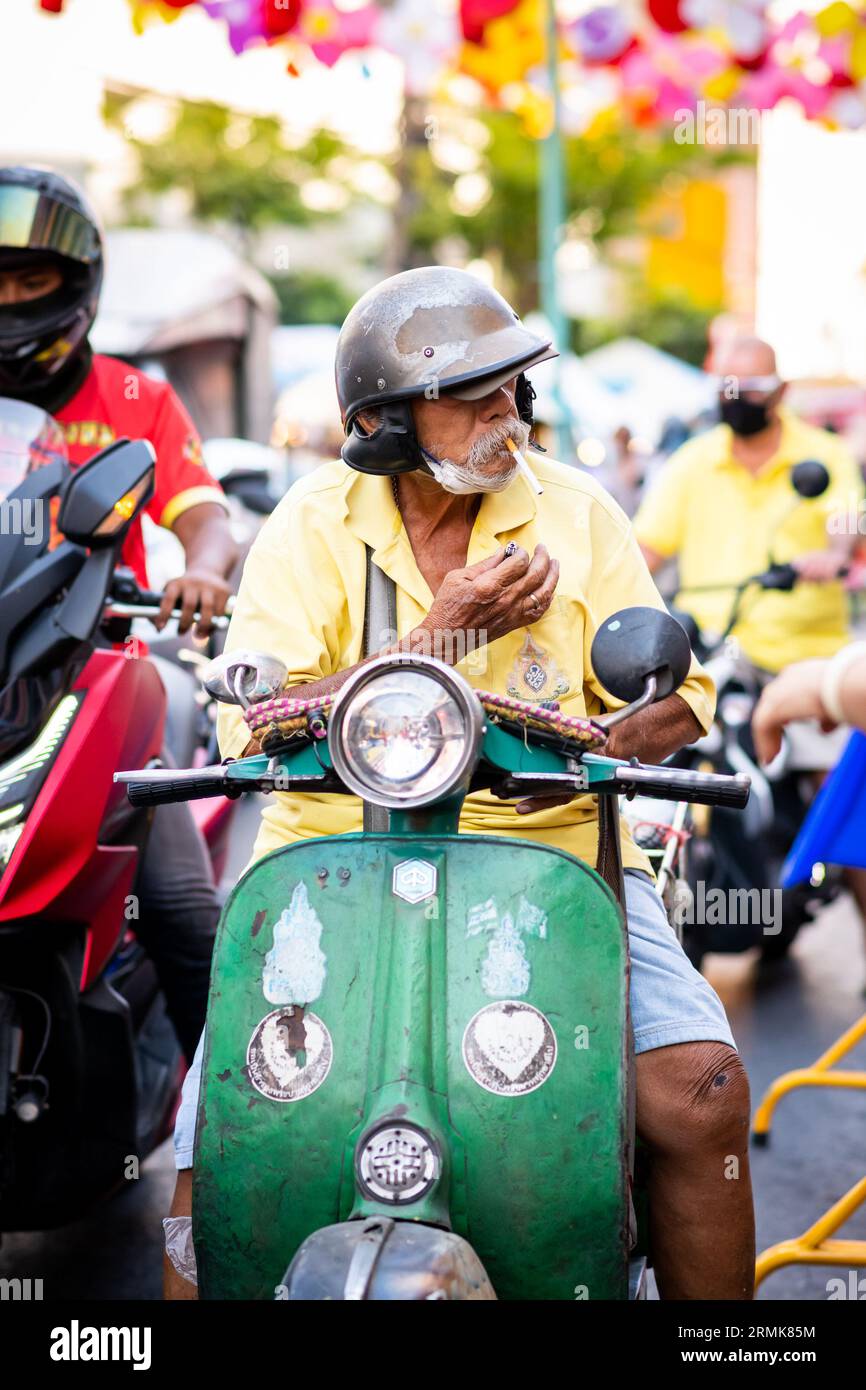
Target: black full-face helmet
{"points": [[45, 219], [427, 332]]}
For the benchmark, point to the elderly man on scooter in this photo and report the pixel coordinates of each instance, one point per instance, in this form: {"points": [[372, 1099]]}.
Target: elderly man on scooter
{"points": [[506, 572]]}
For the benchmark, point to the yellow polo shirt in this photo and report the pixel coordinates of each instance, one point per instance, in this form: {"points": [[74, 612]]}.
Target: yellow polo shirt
{"points": [[302, 599], [721, 521]]}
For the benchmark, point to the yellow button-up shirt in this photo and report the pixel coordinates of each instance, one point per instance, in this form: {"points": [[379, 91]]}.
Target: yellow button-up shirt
{"points": [[723, 521], [302, 599]]}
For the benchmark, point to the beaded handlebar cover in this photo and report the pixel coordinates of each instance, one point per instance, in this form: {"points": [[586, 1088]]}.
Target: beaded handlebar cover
{"points": [[275, 721]]}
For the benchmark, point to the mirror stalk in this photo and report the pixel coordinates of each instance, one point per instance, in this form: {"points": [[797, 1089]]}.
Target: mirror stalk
{"points": [[608, 721]]}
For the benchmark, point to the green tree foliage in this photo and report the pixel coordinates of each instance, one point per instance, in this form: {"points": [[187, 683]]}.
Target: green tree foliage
{"points": [[310, 297], [234, 168], [610, 180], [667, 320]]}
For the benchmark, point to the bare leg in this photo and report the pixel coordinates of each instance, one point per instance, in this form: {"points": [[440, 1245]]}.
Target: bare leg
{"points": [[174, 1286], [693, 1113]]}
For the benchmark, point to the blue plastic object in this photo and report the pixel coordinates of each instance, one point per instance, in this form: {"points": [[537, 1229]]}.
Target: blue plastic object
{"points": [[834, 831]]}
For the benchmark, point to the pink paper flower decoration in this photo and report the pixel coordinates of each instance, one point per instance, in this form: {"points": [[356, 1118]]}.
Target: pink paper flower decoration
{"points": [[330, 31]]}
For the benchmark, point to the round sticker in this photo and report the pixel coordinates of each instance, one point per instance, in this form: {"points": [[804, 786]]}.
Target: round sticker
{"points": [[509, 1048], [281, 1074]]}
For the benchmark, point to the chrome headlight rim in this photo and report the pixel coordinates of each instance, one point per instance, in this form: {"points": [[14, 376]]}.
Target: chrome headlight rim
{"points": [[460, 691]]}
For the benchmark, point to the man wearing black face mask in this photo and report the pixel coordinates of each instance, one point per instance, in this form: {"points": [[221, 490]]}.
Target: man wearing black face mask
{"points": [[723, 503]]}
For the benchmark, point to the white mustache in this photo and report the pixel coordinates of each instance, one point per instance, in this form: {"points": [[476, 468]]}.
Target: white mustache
{"points": [[494, 441]]}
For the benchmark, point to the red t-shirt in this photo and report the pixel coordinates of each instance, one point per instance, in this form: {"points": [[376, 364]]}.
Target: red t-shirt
{"points": [[118, 401]]}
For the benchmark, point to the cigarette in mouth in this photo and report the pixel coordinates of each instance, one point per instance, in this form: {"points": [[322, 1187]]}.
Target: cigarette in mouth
{"points": [[525, 468]]}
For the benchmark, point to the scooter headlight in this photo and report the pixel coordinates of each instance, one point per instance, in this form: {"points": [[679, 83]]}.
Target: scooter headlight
{"points": [[405, 731]]}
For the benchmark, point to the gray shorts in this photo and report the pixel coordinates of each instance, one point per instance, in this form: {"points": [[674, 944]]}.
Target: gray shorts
{"points": [[671, 1002]]}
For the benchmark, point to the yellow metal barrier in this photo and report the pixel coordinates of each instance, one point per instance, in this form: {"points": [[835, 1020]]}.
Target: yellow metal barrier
{"points": [[818, 1074], [814, 1247]]}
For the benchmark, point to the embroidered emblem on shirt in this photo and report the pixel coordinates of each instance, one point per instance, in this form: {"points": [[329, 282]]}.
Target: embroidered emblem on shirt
{"points": [[535, 672]]}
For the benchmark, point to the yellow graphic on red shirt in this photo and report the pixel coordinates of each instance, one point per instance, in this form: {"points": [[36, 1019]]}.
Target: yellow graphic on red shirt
{"points": [[191, 452], [90, 434]]}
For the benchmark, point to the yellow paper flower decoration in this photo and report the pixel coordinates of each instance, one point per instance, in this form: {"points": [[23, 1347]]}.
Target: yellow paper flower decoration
{"points": [[512, 45], [144, 12]]}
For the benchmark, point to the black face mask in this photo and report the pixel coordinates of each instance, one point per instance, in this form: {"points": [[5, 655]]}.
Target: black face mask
{"points": [[744, 417]]}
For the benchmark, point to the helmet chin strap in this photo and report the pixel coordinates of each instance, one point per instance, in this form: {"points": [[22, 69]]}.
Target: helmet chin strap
{"points": [[433, 459]]}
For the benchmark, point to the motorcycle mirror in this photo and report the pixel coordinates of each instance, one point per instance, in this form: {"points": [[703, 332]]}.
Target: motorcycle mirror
{"points": [[100, 498], [636, 643], [244, 678], [687, 623], [810, 478]]}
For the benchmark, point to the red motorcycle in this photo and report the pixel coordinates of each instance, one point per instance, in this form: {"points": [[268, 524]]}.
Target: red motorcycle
{"points": [[90, 1069]]}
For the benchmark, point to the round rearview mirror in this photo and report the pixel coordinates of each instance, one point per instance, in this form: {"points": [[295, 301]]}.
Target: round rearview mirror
{"points": [[636, 643], [244, 678], [810, 478]]}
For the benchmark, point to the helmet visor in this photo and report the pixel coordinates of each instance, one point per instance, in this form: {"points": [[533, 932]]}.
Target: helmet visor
{"points": [[31, 221], [476, 390]]}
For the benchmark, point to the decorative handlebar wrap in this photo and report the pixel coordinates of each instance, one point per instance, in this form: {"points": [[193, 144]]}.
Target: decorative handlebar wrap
{"points": [[273, 721]]}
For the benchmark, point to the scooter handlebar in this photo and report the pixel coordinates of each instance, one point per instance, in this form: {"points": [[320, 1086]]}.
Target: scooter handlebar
{"points": [[678, 784], [167, 788]]}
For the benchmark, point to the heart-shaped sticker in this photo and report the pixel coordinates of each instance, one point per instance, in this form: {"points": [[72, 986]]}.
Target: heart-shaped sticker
{"points": [[509, 1048], [510, 1040]]}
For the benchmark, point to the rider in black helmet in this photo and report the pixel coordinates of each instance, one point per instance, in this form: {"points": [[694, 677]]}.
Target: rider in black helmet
{"points": [[51, 271], [51, 268]]}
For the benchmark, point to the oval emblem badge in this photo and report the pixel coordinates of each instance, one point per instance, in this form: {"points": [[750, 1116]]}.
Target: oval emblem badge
{"points": [[509, 1048], [287, 1068]]}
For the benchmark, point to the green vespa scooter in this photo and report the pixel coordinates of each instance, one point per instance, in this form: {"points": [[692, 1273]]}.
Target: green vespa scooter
{"points": [[418, 1078]]}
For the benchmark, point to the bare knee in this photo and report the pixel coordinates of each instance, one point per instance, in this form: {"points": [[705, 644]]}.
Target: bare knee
{"points": [[693, 1098]]}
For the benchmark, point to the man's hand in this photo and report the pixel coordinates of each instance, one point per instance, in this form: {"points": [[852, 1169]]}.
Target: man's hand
{"points": [[486, 600], [795, 694], [205, 534], [198, 590], [820, 566]]}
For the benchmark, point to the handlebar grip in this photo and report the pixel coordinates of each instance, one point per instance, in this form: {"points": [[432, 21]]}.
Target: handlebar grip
{"points": [[678, 784], [163, 792]]}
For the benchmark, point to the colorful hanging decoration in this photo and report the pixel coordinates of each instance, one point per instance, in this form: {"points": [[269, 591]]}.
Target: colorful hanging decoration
{"points": [[330, 31], [422, 34], [647, 60], [146, 12]]}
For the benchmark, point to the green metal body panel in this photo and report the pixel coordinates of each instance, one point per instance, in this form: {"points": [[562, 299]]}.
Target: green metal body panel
{"points": [[535, 1179]]}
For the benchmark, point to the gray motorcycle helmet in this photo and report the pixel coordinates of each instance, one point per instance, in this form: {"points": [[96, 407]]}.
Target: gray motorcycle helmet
{"points": [[425, 331]]}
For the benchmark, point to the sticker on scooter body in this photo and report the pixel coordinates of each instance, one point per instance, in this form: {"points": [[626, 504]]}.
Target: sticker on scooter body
{"points": [[289, 1054], [505, 969], [294, 969], [509, 1048]]}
